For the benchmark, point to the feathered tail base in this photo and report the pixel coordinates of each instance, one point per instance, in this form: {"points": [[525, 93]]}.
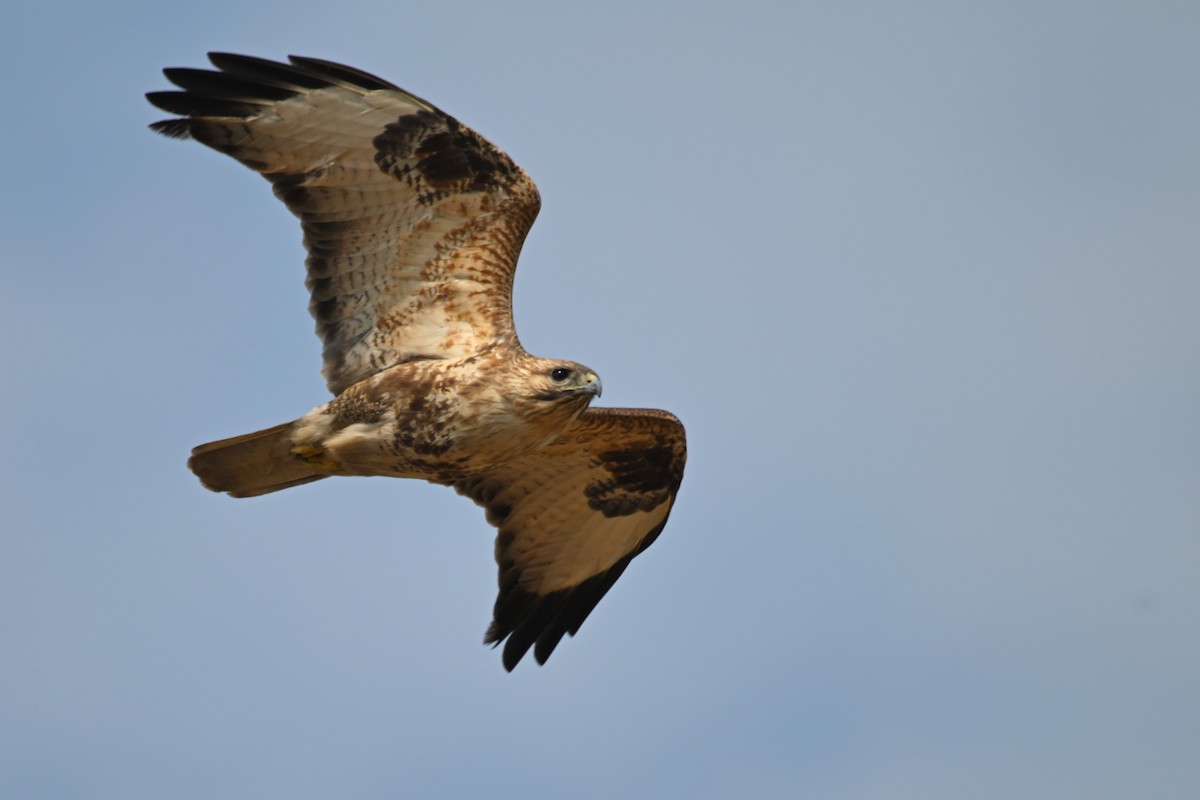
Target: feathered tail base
{"points": [[253, 464]]}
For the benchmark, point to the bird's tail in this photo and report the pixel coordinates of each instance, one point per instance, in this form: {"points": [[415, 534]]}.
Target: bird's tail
{"points": [[253, 464]]}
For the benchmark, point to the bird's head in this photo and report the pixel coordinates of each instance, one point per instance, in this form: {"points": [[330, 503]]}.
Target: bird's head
{"points": [[556, 381], [548, 393]]}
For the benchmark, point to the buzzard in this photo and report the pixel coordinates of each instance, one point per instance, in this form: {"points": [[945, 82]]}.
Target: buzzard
{"points": [[413, 223]]}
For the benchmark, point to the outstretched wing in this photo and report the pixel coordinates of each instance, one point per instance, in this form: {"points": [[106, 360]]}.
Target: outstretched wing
{"points": [[413, 222], [571, 518]]}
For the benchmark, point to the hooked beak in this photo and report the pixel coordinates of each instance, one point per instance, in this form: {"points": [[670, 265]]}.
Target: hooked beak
{"points": [[591, 384]]}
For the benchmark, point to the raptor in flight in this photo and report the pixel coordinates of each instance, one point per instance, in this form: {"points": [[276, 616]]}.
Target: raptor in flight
{"points": [[413, 224]]}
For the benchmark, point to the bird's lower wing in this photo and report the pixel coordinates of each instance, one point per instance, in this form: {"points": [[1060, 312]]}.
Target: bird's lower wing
{"points": [[571, 517]]}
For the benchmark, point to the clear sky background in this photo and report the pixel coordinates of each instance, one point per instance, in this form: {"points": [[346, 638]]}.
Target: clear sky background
{"points": [[921, 279]]}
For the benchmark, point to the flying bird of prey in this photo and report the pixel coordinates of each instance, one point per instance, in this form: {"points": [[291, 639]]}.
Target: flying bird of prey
{"points": [[413, 223]]}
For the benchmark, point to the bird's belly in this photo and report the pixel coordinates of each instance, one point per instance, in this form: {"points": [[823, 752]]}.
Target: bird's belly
{"points": [[383, 448]]}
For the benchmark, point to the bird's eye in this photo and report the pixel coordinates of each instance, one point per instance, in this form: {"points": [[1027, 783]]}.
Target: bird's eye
{"points": [[559, 374]]}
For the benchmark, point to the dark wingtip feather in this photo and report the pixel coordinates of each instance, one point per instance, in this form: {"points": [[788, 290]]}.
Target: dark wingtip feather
{"points": [[163, 99], [243, 86], [258, 70], [227, 85], [509, 657], [188, 104], [342, 73], [546, 644], [173, 128], [541, 621]]}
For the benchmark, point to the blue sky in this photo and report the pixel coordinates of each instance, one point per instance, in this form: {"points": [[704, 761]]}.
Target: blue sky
{"points": [[923, 283]]}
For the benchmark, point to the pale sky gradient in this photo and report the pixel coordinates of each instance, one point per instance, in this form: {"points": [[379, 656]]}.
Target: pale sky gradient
{"points": [[921, 279]]}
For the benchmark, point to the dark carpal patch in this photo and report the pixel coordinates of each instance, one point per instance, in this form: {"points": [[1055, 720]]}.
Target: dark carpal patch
{"points": [[497, 513], [437, 155], [640, 478]]}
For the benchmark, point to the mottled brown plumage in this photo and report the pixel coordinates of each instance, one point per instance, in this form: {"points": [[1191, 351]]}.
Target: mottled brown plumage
{"points": [[413, 224]]}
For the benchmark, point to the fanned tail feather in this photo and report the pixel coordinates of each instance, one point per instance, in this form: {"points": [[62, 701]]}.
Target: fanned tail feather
{"points": [[252, 464]]}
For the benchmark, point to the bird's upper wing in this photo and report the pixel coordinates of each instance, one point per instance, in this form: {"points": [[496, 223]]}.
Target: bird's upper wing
{"points": [[572, 516], [413, 222]]}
